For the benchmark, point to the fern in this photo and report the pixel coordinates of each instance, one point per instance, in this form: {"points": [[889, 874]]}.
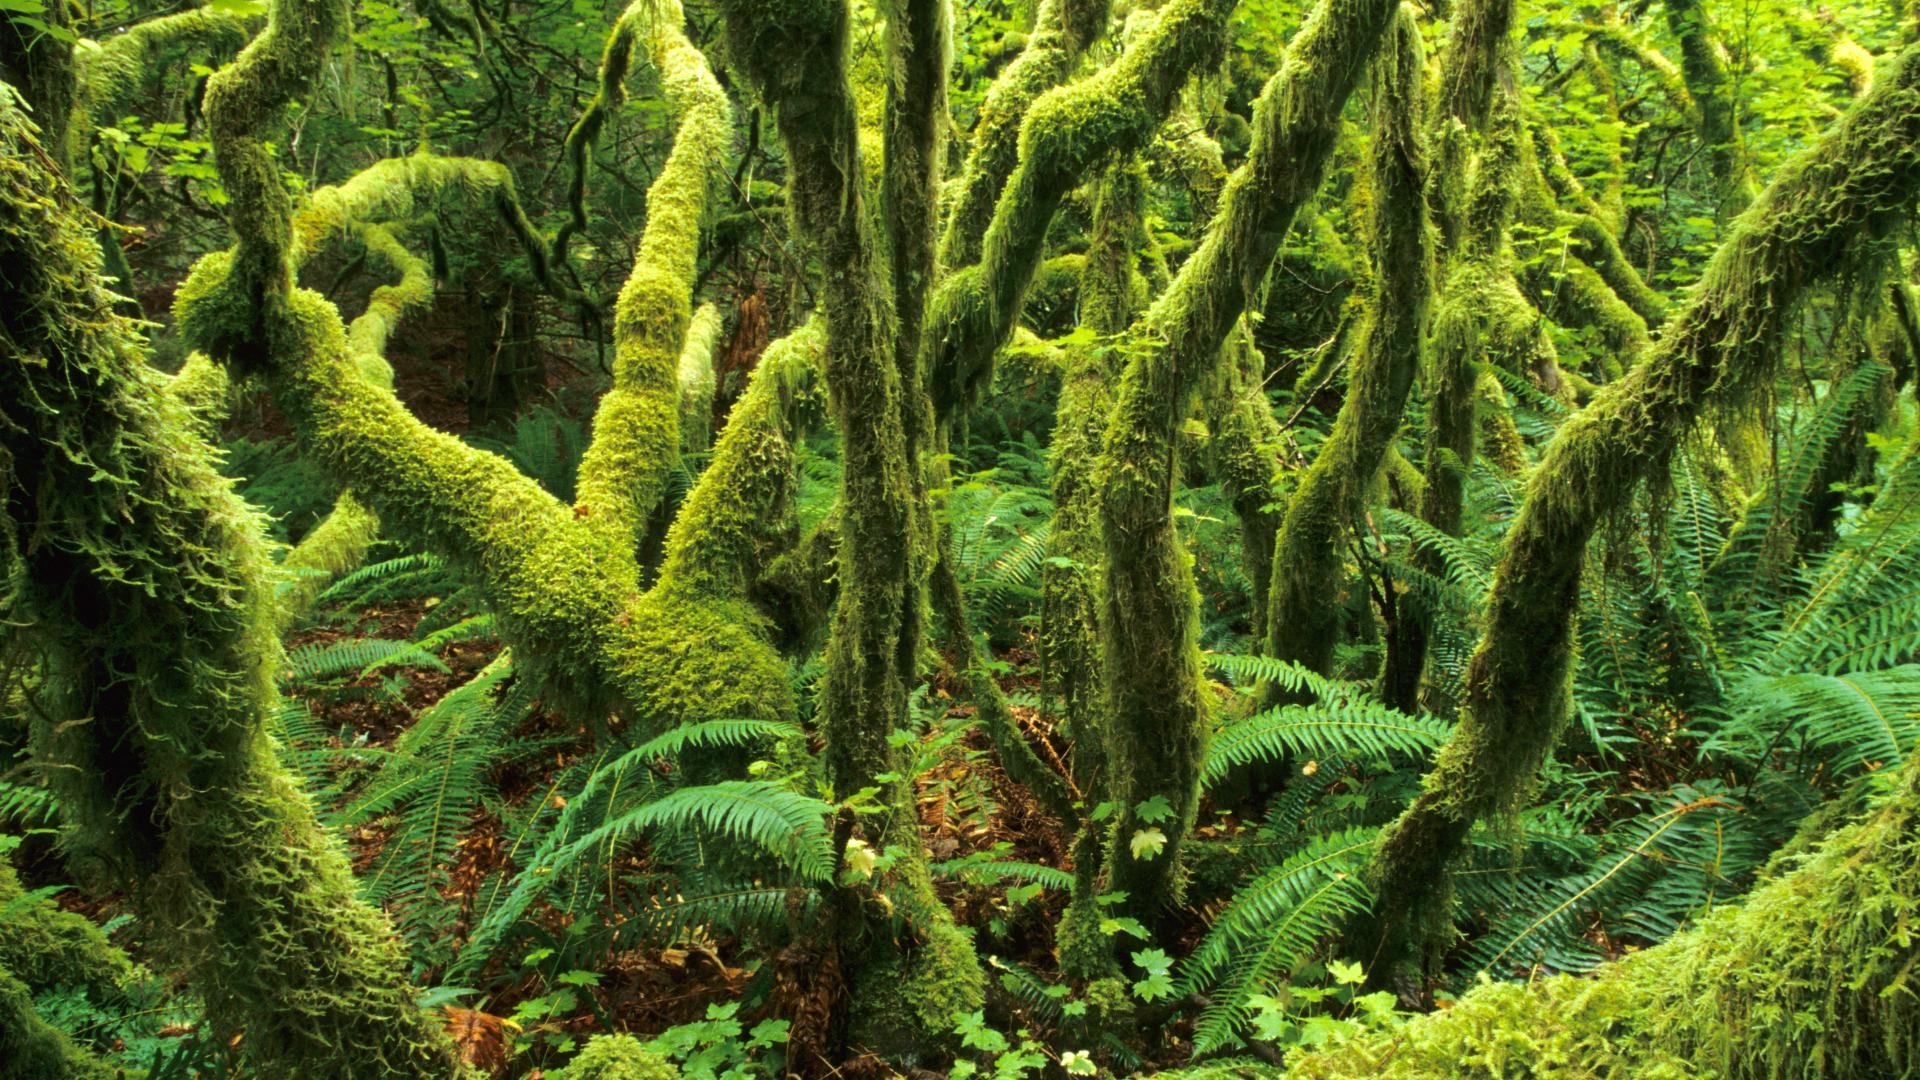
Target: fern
{"points": [[1861, 601], [1272, 925], [1762, 544], [1858, 722], [1331, 729], [789, 826], [1543, 923], [546, 445], [984, 869], [359, 656]]}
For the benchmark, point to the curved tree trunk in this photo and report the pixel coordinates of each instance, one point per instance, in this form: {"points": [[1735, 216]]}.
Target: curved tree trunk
{"points": [[1860, 179]]}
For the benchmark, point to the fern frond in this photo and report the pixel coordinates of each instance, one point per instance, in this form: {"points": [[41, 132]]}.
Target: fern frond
{"points": [[985, 870], [1545, 925], [1857, 722], [1272, 897], [1329, 729], [1274, 924], [358, 656]]}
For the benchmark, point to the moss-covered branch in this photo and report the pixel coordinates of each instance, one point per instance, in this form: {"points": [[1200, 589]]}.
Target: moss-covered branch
{"points": [[1061, 32], [110, 72], [1069, 134], [698, 382], [1155, 716], [1704, 67], [1860, 178], [714, 544], [1303, 623], [636, 430]]}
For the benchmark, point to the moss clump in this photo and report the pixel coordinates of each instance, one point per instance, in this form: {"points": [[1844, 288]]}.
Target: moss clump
{"points": [[617, 1057], [45, 947], [31, 1047]]}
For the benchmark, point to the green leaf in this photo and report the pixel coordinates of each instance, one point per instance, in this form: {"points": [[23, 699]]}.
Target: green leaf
{"points": [[1147, 844], [1154, 810]]}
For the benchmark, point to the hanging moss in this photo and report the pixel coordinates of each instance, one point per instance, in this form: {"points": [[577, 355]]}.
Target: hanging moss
{"points": [[636, 429], [39, 63], [1154, 710], [696, 379], [1303, 623], [147, 590], [1859, 179]]}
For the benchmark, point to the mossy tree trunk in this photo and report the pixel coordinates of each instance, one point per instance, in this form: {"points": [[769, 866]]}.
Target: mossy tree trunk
{"points": [[1303, 622], [142, 584], [1860, 179], [904, 992], [1154, 708]]}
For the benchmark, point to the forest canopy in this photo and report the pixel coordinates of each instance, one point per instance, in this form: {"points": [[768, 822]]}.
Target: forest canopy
{"points": [[1033, 539]]}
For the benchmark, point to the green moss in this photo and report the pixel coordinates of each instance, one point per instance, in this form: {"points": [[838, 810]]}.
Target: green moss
{"points": [[111, 73], [335, 547], [715, 544], [617, 1057], [1704, 67], [796, 57], [203, 389]]}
